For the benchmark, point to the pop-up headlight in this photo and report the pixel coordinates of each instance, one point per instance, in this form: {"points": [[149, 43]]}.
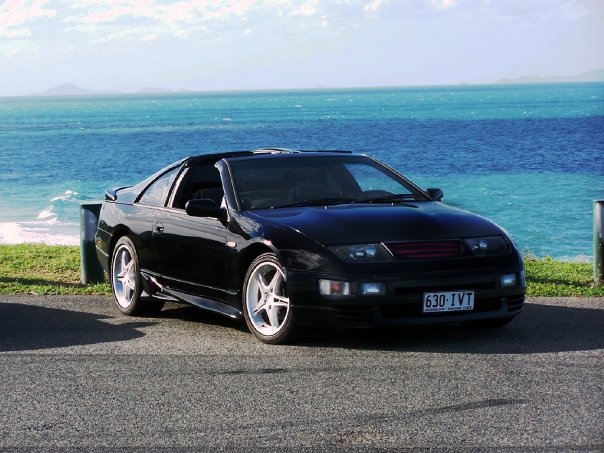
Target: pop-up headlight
{"points": [[362, 253], [488, 246]]}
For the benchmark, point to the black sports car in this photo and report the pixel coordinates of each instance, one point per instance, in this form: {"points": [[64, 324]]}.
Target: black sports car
{"points": [[286, 238]]}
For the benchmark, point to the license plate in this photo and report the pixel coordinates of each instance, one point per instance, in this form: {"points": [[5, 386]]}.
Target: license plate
{"points": [[448, 301]]}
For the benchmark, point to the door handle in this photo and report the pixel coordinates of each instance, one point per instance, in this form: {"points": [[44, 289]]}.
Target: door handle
{"points": [[159, 228]]}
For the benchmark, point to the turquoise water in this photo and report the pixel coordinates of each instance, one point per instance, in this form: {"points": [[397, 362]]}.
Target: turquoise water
{"points": [[529, 157]]}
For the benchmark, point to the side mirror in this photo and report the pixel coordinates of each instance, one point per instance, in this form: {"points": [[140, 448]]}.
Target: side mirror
{"points": [[435, 194], [203, 207]]}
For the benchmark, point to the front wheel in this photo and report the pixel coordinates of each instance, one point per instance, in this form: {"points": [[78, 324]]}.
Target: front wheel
{"points": [[266, 306], [126, 281]]}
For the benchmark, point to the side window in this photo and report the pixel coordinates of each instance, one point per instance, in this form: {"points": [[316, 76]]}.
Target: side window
{"points": [[199, 181], [156, 193]]}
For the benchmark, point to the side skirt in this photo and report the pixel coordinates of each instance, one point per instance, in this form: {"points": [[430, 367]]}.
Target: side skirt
{"points": [[157, 290]]}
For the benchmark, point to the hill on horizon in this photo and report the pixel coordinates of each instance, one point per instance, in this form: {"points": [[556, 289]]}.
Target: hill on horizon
{"points": [[70, 89], [597, 75]]}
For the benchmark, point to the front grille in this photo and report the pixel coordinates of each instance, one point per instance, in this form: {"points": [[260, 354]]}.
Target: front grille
{"points": [[425, 250]]}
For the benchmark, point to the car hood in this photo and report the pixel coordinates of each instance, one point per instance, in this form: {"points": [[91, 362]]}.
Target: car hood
{"points": [[364, 224]]}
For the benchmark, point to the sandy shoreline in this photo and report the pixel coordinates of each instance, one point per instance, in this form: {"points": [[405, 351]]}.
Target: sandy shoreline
{"points": [[39, 233]]}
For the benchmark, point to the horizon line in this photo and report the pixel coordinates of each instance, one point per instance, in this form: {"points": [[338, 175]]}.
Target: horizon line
{"points": [[188, 91]]}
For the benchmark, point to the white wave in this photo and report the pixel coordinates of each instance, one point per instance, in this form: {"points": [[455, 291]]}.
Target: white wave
{"points": [[39, 232], [57, 223], [47, 214], [67, 196], [62, 208]]}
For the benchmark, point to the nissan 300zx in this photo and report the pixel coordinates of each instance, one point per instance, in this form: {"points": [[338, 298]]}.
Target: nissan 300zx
{"points": [[285, 239]]}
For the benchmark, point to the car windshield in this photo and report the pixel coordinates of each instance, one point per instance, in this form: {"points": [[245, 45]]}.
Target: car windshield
{"points": [[299, 180]]}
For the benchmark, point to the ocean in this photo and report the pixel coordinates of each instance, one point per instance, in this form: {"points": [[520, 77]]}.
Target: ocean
{"points": [[529, 157]]}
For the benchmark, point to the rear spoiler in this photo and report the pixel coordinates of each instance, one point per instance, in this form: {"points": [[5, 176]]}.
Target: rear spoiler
{"points": [[111, 194]]}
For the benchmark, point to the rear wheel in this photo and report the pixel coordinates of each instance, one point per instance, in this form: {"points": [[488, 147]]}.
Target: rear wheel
{"points": [[266, 306], [126, 281]]}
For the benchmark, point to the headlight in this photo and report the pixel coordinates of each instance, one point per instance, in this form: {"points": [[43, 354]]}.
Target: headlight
{"points": [[488, 246], [363, 253]]}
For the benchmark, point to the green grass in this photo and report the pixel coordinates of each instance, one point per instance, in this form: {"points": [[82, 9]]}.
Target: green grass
{"points": [[48, 269], [43, 269], [547, 277]]}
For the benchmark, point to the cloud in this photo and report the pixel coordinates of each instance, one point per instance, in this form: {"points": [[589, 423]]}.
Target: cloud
{"points": [[443, 4], [373, 6], [151, 20], [16, 32], [184, 11], [148, 20], [544, 9], [308, 8], [17, 48], [180, 17], [16, 13]]}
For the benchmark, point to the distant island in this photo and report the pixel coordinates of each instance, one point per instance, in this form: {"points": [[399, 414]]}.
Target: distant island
{"points": [[597, 75], [70, 89]]}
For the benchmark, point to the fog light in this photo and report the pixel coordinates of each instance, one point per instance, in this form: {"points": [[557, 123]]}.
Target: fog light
{"points": [[373, 289], [509, 280], [334, 288]]}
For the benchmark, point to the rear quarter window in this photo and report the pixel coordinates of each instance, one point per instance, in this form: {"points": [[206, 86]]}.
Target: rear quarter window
{"points": [[156, 193]]}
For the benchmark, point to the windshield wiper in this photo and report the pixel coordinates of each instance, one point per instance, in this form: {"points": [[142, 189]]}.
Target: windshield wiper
{"points": [[391, 198], [318, 202]]}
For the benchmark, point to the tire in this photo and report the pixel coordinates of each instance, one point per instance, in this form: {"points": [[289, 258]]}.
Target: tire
{"points": [[126, 282], [488, 323], [266, 306]]}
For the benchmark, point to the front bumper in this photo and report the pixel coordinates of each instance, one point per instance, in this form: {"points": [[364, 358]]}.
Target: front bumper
{"points": [[402, 303], [402, 314]]}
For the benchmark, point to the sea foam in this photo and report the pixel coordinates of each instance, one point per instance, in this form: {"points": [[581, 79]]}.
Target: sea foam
{"points": [[39, 232]]}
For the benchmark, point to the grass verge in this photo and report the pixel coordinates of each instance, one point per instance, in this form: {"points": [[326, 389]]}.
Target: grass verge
{"points": [[49, 269], [548, 277], [43, 269]]}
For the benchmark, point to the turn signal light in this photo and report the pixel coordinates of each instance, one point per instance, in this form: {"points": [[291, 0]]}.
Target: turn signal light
{"points": [[373, 289], [334, 288], [508, 280]]}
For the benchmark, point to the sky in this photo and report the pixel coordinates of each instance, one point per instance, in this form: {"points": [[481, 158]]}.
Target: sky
{"points": [[278, 44]]}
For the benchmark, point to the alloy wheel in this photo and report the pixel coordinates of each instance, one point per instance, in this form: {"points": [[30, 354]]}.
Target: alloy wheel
{"points": [[124, 277], [267, 304]]}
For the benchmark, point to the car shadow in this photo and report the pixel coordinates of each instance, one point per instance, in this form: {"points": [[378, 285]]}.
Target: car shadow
{"points": [[538, 329], [190, 313], [28, 327]]}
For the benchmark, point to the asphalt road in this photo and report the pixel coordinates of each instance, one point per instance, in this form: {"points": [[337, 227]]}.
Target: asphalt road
{"points": [[76, 375]]}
